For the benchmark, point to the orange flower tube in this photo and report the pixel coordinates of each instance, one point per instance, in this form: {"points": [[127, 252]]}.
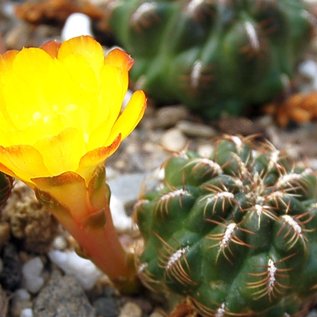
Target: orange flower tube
{"points": [[60, 118]]}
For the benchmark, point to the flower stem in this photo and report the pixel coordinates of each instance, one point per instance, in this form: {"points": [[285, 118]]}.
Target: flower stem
{"points": [[84, 212], [100, 243]]}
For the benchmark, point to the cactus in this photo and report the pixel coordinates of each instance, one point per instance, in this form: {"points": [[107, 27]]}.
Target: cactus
{"points": [[235, 234], [214, 56]]}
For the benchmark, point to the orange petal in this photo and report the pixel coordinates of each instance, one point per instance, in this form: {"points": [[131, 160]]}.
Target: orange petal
{"points": [[51, 47], [69, 189], [24, 161], [131, 115], [92, 159], [6, 61], [119, 58]]}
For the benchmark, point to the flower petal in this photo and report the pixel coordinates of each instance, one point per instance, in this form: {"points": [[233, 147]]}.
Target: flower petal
{"points": [[62, 152], [23, 160], [90, 160], [119, 58], [51, 47], [131, 116], [84, 47], [6, 61], [68, 189], [112, 89]]}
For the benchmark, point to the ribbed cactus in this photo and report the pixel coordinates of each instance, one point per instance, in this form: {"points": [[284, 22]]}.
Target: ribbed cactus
{"points": [[213, 55], [235, 234]]}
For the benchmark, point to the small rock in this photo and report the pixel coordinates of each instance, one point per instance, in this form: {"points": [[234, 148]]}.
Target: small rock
{"points": [[76, 24], [197, 130], [21, 300], [127, 187], [313, 313], [21, 295], [25, 35], [121, 220], [30, 221], [158, 313], [169, 116], [82, 269], [130, 310], [308, 69], [27, 312], [62, 296], [11, 274], [32, 271], [205, 150], [3, 303], [173, 140], [59, 243], [106, 307], [240, 125], [4, 234]]}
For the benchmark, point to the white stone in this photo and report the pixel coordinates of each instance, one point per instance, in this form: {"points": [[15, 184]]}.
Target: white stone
{"points": [[309, 69], [27, 312], [32, 279], [84, 270], [59, 243], [173, 140], [76, 24], [121, 220], [21, 295]]}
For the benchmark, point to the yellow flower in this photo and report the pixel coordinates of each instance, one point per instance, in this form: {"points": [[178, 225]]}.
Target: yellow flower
{"points": [[60, 108], [60, 118]]}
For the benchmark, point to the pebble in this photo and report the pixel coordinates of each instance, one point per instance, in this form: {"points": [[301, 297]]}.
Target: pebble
{"points": [[173, 140], [205, 150], [197, 130], [169, 116], [4, 234], [62, 296], [72, 264], [23, 34], [32, 275], [76, 24], [3, 302], [308, 68], [158, 313], [59, 243], [126, 187], [106, 307], [21, 300], [313, 313], [130, 310], [11, 273], [21, 295], [27, 312], [121, 220]]}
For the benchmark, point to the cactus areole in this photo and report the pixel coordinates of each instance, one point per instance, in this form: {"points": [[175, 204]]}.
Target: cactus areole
{"points": [[215, 56], [235, 234]]}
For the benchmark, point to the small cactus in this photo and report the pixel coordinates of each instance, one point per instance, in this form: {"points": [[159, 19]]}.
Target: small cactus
{"points": [[235, 234], [214, 56]]}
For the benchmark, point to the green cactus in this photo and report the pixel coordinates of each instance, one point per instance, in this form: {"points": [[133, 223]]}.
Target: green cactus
{"points": [[216, 56], [6, 183], [235, 234]]}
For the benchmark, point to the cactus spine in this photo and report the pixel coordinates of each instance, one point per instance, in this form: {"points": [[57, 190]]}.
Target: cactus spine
{"points": [[234, 233]]}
